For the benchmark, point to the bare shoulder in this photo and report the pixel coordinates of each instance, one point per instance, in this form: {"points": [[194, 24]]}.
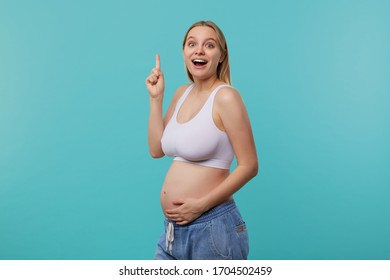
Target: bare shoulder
{"points": [[179, 92], [228, 96], [176, 96]]}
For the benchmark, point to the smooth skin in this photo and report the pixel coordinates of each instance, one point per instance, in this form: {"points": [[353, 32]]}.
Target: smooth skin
{"points": [[189, 190]]}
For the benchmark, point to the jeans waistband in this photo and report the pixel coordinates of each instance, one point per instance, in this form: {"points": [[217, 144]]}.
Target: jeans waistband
{"points": [[213, 213]]}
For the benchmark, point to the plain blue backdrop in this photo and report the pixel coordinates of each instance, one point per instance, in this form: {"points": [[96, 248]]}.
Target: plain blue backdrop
{"points": [[76, 178]]}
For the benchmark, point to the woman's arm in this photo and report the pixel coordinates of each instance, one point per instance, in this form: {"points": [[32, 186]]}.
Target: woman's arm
{"points": [[155, 85], [155, 127], [235, 120], [156, 124]]}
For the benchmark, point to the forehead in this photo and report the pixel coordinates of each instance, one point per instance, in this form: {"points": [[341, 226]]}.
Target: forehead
{"points": [[200, 32]]}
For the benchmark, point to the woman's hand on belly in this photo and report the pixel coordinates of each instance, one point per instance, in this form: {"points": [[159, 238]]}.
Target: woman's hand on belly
{"points": [[186, 210]]}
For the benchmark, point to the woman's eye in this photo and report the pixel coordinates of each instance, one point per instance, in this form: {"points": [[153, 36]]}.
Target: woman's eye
{"points": [[191, 44], [210, 46]]}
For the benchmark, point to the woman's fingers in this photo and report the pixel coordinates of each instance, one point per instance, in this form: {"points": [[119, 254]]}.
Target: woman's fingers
{"points": [[156, 72], [153, 77], [155, 81], [158, 61]]}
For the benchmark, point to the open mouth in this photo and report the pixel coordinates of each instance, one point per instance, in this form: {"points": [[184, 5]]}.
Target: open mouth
{"points": [[199, 62]]}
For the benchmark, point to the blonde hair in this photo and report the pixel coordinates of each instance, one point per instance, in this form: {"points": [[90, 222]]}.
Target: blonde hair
{"points": [[223, 69]]}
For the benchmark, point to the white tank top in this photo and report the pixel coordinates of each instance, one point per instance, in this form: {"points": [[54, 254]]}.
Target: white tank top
{"points": [[198, 140]]}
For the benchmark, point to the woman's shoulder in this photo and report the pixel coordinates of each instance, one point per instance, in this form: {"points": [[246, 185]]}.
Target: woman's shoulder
{"points": [[175, 98], [227, 94], [180, 91], [229, 104]]}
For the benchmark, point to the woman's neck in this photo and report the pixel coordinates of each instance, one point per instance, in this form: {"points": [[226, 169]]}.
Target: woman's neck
{"points": [[206, 84]]}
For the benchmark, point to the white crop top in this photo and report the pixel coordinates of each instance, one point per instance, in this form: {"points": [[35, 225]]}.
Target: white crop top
{"points": [[198, 140]]}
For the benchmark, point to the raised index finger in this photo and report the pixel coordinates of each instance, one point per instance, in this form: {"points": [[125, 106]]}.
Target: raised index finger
{"points": [[158, 61]]}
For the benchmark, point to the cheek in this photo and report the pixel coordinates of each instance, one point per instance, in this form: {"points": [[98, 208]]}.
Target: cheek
{"points": [[216, 56], [216, 59], [187, 52], [187, 57]]}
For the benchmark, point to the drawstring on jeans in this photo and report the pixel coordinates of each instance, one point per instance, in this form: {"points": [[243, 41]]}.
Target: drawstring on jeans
{"points": [[169, 237]]}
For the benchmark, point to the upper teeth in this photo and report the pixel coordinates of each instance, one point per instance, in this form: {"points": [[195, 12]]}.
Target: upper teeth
{"points": [[200, 60]]}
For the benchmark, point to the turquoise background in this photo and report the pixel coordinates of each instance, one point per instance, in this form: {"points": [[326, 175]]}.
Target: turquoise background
{"points": [[76, 178]]}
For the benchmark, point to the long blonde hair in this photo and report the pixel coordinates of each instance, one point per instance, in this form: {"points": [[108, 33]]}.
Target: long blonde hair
{"points": [[223, 69]]}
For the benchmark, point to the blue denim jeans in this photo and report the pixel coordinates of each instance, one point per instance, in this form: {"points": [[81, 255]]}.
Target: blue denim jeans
{"points": [[219, 234]]}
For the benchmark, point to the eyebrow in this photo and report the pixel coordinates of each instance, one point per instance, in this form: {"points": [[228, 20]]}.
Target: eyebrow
{"points": [[207, 39]]}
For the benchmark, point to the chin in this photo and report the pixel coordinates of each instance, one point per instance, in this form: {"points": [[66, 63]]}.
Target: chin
{"points": [[200, 75]]}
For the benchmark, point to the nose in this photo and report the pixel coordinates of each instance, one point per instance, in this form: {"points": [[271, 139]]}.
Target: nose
{"points": [[199, 49]]}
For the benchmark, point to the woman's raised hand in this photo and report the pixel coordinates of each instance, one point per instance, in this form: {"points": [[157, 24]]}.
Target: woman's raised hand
{"points": [[155, 81]]}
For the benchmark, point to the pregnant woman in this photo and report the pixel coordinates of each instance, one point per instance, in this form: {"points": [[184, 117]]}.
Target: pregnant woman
{"points": [[205, 126]]}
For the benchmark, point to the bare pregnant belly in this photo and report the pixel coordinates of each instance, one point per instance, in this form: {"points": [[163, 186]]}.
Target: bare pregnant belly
{"points": [[187, 180]]}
